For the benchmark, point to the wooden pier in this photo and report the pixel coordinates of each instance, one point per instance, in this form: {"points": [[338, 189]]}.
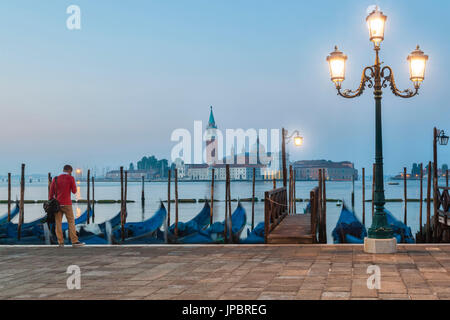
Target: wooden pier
{"points": [[292, 229], [284, 228]]}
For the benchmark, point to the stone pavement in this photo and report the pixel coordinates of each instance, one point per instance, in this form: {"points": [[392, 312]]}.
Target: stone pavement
{"points": [[224, 272]]}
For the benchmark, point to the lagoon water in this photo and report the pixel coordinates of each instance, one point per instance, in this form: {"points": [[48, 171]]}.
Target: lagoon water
{"points": [[156, 191]]}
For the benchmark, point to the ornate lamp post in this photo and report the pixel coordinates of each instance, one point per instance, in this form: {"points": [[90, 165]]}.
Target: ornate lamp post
{"points": [[298, 141], [378, 77]]}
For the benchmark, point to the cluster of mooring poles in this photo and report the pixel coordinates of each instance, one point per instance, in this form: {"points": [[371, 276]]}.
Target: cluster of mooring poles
{"points": [[228, 221], [425, 233]]}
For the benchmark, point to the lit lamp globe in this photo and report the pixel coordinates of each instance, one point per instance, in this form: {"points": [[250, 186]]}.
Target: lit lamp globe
{"points": [[376, 22], [417, 62], [298, 141], [336, 61]]}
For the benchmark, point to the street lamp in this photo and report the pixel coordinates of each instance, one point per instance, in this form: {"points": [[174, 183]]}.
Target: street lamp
{"points": [[442, 138], [378, 77], [298, 141], [286, 138]]}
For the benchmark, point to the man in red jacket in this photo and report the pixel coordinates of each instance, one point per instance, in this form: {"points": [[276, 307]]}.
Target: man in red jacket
{"points": [[64, 186]]}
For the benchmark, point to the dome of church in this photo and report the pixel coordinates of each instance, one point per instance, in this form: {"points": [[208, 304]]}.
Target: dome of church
{"points": [[254, 148]]}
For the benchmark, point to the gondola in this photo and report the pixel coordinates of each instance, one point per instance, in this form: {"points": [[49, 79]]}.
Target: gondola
{"points": [[348, 228], [136, 232], [199, 222], [14, 212], [215, 233], [28, 240], [36, 227], [9, 229], [307, 209], [94, 233], [38, 233], [255, 236], [98, 233], [401, 231], [81, 219]]}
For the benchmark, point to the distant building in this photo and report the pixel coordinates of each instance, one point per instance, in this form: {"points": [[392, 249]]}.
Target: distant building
{"points": [[131, 174], [237, 171], [309, 170], [179, 165], [197, 171]]}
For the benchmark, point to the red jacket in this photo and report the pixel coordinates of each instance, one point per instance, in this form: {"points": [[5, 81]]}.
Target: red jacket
{"points": [[65, 185]]}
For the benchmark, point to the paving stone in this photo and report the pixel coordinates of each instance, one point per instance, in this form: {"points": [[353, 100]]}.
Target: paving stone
{"points": [[393, 296], [308, 294], [423, 297], [328, 295]]}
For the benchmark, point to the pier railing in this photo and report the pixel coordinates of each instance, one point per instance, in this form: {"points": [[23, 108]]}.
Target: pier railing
{"points": [[318, 216], [443, 205], [275, 209]]}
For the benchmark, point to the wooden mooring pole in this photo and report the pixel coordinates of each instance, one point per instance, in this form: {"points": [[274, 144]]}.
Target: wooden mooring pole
{"points": [[122, 211], [225, 230], [428, 236], [446, 178], [364, 196], [125, 194], [9, 196], [253, 198], [169, 175], [320, 203], [230, 229], [22, 199], [176, 202], [290, 190], [49, 182], [435, 230], [283, 156], [295, 193], [293, 190], [143, 193], [421, 199], [324, 207], [211, 219], [405, 197], [93, 199], [353, 192], [88, 195]]}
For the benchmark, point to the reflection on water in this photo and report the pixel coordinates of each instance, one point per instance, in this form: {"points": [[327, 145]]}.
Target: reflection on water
{"points": [[157, 191], [78, 194]]}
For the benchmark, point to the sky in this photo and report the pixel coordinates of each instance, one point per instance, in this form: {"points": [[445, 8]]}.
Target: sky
{"points": [[115, 90]]}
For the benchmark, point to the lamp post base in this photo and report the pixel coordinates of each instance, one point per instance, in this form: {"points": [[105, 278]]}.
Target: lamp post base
{"points": [[380, 245]]}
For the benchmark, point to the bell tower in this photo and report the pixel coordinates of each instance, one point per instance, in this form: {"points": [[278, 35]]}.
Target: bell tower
{"points": [[211, 140]]}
